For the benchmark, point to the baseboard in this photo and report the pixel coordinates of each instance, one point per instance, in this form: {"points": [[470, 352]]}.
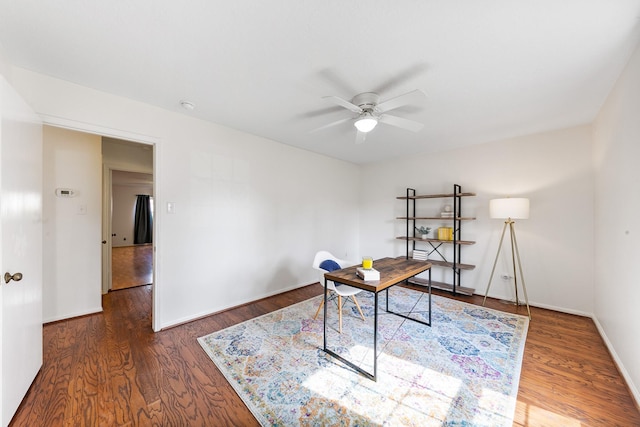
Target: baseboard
{"points": [[635, 394], [561, 309], [72, 315], [187, 319], [540, 305]]}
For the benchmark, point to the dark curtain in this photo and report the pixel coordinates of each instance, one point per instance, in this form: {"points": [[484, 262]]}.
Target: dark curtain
{"points": [[143, 225]]}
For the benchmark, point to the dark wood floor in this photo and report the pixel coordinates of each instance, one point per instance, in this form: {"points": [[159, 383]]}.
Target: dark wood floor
{"points": [[131, 266], [111, 369]]}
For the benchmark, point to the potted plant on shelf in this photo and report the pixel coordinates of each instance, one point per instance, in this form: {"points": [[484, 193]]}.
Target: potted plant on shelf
{"points": [[423, 231]]}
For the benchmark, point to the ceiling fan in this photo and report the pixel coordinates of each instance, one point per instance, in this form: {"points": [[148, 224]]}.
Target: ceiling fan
{"points": [[370, 111]]}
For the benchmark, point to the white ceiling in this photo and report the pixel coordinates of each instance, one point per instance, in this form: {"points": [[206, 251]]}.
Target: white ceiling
{"points": [[491, 69]]}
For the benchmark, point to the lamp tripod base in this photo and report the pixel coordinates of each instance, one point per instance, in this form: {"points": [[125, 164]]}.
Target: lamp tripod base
{"points": [[515, 254]]}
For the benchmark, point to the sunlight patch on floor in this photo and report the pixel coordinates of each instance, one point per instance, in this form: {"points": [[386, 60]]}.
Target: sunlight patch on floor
{"points": [[488, 402], [331, 383], [532, 415]]}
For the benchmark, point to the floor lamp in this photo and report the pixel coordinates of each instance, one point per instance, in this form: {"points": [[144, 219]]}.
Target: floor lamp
{"points": [[510, 209]]}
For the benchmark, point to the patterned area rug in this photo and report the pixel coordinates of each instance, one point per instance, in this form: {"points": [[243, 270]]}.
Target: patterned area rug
{"points": [[463, 371]]}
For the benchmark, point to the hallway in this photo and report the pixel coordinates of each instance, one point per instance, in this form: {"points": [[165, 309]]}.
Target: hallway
{"points": [[131, 266]]}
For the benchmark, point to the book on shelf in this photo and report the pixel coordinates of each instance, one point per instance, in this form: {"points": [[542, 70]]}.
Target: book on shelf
{"points": [[419, 255], [367, 274]]}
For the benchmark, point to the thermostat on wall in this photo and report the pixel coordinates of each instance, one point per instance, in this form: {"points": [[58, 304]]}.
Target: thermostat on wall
{"points": [[65, 192]]}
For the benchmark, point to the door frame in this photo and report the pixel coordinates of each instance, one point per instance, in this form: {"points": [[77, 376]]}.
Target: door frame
{"points": [[156, 316]]}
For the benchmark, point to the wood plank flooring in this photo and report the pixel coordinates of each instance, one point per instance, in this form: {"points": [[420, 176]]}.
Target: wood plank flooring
{"points": [[111, 369], [568, 376], [131, 266]]}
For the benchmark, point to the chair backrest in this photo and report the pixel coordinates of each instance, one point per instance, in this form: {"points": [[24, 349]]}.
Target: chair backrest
{"points": [[324, 255]]}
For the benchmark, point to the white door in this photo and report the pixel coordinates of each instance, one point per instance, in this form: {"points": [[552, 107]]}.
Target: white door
{"points": [[20, 249]]}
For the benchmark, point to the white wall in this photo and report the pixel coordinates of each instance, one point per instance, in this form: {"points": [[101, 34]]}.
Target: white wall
{"points": [[123, 212], [617, 152], [5, 65], [126, 156], [250, 213], [72, 226], [553, 170]]}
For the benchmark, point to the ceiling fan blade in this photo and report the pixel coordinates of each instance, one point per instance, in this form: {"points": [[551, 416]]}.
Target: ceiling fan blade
{"points": [[360, 137], [336, 123], [408, 98], [401, 123], [319, 112], [336, 81], [401, 78], [344, 103]]}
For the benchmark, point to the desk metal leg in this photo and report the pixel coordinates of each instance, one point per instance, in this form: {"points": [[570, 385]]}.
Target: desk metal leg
{"points": [[429, 297], [409, 317], [375, 337], [325, 315], [368, 375]]}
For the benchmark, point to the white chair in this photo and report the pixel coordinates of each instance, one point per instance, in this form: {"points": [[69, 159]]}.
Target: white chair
{"points": [[340, 289]]}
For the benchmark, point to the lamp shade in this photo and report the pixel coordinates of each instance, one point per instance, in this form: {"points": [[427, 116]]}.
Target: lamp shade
{"points": [[516, 208], [366, 122]]}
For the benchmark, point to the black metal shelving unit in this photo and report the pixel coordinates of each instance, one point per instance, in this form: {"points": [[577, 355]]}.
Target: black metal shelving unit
{"points": [[436, 247]]}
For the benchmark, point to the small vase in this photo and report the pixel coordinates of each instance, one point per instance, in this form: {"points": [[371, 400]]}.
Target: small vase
{"points": [[424, 237]]}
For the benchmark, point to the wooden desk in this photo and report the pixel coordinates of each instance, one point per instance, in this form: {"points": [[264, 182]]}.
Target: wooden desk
{"points": [[392, 271]]}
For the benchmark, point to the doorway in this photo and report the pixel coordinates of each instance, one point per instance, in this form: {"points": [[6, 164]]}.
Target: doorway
{"points": [[120, 150], [132, 214], [127, 176]]}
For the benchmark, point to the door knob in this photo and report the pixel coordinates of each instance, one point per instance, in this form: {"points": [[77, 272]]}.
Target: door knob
{"points": [[9, 277], [104, 242]]}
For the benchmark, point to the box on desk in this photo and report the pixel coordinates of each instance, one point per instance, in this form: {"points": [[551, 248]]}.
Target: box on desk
{"points": [[368, 274]]}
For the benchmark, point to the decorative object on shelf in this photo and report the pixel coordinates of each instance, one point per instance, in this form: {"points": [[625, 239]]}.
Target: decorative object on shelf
{"points": [[447, 212], [510, 209], [423, 231], [445, 233]]}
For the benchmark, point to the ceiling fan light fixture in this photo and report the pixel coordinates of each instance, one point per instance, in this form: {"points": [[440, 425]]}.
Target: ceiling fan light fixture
{"points": [[366, 122]]}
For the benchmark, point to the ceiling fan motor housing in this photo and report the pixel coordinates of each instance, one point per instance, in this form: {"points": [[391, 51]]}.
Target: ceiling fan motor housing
{"points": [[367, 101]]}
